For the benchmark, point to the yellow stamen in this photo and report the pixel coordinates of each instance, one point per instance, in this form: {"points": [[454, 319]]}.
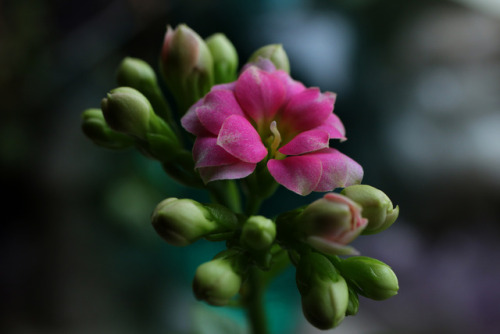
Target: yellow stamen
{"points": [[276, 138]]}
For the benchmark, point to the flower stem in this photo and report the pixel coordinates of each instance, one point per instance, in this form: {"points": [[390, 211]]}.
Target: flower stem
{"points": [[225, 192], [254, 302], [252, 205]]}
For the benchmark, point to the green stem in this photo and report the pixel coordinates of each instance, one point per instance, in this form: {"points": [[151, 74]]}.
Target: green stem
{"points": [[280, 262], [254, 302], [225, 192], [252, 204]]}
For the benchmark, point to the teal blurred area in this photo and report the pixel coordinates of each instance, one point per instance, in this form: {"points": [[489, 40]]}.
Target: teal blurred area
{"points": [[418, 90]]}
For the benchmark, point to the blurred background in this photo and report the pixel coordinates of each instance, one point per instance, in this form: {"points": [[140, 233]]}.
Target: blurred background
{"points": [[418, 85]]}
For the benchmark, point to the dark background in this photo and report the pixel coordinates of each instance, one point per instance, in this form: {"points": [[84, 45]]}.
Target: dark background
{"points": [[418, 85]]}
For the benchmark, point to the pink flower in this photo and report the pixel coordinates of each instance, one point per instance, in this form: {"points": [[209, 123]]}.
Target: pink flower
{"points": [[330, 223], [266, 116]]}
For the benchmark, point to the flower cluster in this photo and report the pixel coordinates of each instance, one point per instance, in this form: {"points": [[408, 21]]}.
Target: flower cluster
{"points": [[246, 133], [266, 116]]}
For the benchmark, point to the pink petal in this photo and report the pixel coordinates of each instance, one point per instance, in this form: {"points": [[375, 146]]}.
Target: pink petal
{"points": [[333, 125], [191, 122], [207, 153], [305, 142], [299, 174], [217, 105], [239, 138], [237, 170], [259, 94], [358, 222], [292, 87], [308, 109], [338, 170], [330, 247]]}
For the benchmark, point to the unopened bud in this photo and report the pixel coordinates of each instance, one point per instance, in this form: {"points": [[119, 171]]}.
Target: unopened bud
{"points": [[95, 128], [136, 73], [377, 207], [258, 232], [325, 296], [126, 110], [275, 53], [371, 278], [330, 223], [225, 58], [181, 222], [216, 281], [187, 65]]}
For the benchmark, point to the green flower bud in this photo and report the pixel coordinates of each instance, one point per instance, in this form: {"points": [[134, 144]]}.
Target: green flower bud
{"points": [[370, 277], [181, 222], [377, 207], [325, 296], [95, 128], [126, 110], [187, 65], [258, 233], [216, 281], [136, 73], [225, 58], [275, 53]]}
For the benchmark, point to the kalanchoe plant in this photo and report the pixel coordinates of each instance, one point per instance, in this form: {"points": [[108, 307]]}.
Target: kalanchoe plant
{"points": [[252, 131]]}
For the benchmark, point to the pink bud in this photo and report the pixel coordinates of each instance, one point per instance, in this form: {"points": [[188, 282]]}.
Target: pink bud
{"points": [[330, 223], [186, 64]]}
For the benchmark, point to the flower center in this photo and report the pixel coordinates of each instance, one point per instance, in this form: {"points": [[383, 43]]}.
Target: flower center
{"points": [[274, 141]]}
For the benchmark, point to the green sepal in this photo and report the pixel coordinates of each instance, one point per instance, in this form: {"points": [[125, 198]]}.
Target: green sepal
{"points": [[223, 216], [353, 305], [215, 237], [162, 147]]}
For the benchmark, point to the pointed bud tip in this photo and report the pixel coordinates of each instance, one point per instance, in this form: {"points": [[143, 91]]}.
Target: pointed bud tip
{"points": [[377, 207], [126, 110], [372, 278]]}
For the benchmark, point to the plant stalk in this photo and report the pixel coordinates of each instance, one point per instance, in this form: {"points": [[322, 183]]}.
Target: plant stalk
{"points": [[254, 302]]}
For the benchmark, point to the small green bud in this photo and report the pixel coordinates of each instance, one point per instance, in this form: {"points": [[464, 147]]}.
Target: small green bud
{"points": [[126, 110], [377, 207], [325, 295], [181, 222], [95, 128], [136, 73], [275, 53], [370, 277], [187, 65], [216, 281], [325, 306], [225, 58], [258, 232]]}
